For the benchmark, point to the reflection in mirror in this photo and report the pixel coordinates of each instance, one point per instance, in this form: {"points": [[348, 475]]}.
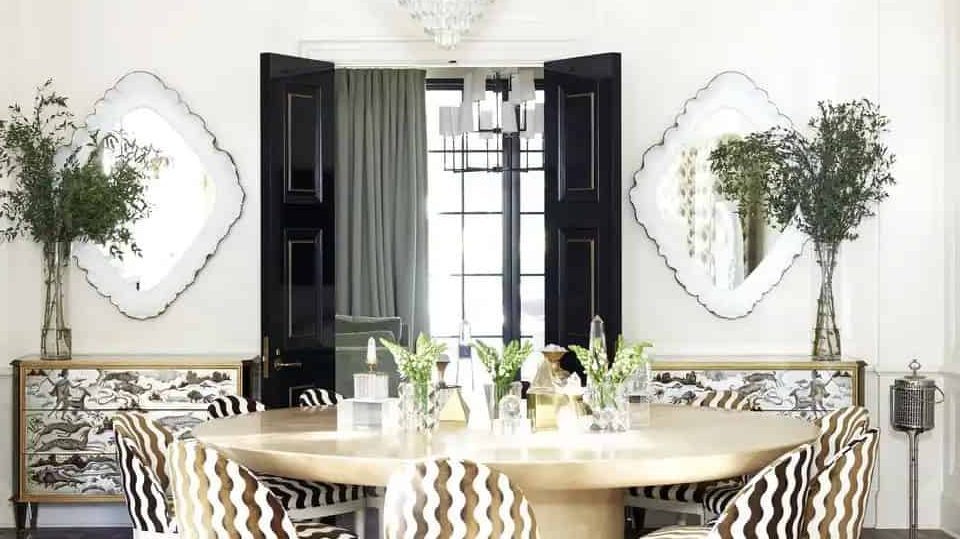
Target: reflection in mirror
{"points": [[180, 197], [719, 244], [193, 200]]}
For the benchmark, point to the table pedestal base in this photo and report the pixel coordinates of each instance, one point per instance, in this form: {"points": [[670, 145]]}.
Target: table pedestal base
{"points": [[597, 514]]}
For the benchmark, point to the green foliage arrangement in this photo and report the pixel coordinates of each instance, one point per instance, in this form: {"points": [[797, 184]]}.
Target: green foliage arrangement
{"points": [[742, 165], [828, 181], [416, 366], [80, 200], [626, 361], [503, 369]]}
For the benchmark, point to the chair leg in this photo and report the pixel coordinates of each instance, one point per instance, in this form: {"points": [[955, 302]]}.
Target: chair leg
{"points": [[381, 527], [360, 523], [681, 519]]}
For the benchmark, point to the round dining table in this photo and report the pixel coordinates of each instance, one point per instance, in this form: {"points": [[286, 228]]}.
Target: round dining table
{"points": [[575, 482]]}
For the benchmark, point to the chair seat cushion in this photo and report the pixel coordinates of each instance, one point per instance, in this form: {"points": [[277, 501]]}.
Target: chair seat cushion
{"points": [[680, 532], [318, 530], [681, 492], [301, 494], [716, 499]]}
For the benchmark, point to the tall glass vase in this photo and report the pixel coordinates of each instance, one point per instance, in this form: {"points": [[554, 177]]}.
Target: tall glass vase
{"points": [[55, 336], [826, 336]]}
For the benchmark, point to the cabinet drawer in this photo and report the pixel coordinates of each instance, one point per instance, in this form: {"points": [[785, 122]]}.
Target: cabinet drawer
{"points": [[128, 388], [86, 475], [91, 431], [796, 390]]}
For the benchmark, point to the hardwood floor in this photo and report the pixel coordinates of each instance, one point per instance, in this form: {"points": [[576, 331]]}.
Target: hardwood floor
{"points": [[121, 533]]}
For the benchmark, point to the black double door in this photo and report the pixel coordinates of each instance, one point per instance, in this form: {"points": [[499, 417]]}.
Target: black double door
{"points": [[582, 213]]}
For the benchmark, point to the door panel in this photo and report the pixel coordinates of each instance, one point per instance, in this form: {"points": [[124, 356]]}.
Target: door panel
{"points": [[297, 250], [582, 208]]}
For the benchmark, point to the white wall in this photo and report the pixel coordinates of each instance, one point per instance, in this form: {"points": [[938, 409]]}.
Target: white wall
{"points": [[892, 281]]}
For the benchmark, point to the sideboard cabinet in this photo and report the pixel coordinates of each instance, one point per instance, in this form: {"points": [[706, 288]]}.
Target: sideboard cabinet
{"points": [[63, 417], [792, 385]]}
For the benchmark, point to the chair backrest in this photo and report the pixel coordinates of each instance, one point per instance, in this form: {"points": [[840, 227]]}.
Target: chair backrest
{"points": [[838, 493], [216, 498], [319, 397], [726, 399], [232, 405], [149, 439], [455, 499], [143, 491], [771, 504], [837, 429]]}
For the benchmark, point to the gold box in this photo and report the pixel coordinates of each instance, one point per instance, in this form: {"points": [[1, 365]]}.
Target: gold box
{"points": [[543, 408]]}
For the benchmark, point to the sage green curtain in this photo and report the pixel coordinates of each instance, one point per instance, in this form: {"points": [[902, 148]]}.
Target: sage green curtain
{"points": [[381, 206]]}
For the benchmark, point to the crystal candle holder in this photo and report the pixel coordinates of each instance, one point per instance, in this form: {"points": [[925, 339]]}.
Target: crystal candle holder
{"points": [[371, 385], [368, 414]]}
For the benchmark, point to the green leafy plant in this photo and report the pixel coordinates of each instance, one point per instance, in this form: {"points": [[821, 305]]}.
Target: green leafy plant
{"points": [[503, 368], [828, 181], [416, 366], [626, 361], [80, 199]]}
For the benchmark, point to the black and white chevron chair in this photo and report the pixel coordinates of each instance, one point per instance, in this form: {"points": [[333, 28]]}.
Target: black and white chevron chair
{"points": [[838, 492], [456, 499], [216, 498], [302, 499], [687, 498], [313, 398], [141, 450], [837, 429], [770, 506]]}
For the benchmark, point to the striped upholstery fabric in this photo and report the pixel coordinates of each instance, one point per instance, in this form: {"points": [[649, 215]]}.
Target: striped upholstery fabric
{"points": [[217, 498], [456, 499], [770, 506], [302, 494], [142, 491], [231, 405], [312, 398], [150, 440], [725, 400], [293, 493], [837, 429], [696, 492], [838, 493]]}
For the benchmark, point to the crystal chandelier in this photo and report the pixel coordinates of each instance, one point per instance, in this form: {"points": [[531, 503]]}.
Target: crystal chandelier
{"points": [[445, 20]]}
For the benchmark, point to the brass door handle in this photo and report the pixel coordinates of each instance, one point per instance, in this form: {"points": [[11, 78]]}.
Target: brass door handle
{"points": [[283, 365], [278, 362]]}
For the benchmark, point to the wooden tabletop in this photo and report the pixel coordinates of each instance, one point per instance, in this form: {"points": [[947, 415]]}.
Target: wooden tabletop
{"points": [[680, 444]]}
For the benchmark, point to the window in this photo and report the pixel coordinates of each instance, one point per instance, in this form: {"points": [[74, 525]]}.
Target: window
{"points": [[486, 231]]}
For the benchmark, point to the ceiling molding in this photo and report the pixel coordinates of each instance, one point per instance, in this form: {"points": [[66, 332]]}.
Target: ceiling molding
{"points": [[423, 52]]}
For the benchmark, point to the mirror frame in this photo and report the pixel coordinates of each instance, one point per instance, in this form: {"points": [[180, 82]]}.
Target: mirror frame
{"points": [[729, 89], [142, 89]]}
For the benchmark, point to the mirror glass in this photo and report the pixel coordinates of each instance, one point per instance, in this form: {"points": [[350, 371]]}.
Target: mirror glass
{"points": [[723, 251], [180, 196], [194, 198]]}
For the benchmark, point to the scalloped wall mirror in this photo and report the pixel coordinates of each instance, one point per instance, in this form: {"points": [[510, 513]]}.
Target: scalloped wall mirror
{"points": [[725, 258], [194, 199]]}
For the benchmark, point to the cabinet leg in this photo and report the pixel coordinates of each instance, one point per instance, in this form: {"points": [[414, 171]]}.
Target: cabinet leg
{"points": [[20, 515], [34, 506]]}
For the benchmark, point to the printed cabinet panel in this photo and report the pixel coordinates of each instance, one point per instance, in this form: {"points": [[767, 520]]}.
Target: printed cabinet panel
{"points": [[130, 388], [92, 431], [77, 474], [804, 393]]}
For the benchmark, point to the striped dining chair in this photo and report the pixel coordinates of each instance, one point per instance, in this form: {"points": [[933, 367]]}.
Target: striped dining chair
{"points": [[313, 398], [301, 498], [688, 498], [770, 506], [838, 493], [141, 453], [837, 429], [216, 498], [233, 405], [456, 499]]}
